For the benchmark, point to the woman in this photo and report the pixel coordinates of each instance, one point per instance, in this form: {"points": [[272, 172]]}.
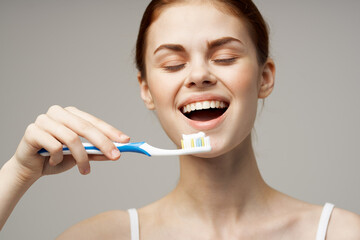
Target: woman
{"points": [[198, 52]]}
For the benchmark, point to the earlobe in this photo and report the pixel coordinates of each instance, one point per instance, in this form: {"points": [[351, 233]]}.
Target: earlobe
{"points": [[145, 92], [267, 79]]}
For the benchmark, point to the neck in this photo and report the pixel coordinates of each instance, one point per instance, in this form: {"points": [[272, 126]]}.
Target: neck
{"points": [[225, 187]]}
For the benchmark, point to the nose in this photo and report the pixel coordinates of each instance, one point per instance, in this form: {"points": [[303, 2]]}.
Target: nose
{"points": [[200, 76]]}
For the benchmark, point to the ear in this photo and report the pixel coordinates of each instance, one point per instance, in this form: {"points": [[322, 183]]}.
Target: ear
{"points": [[145, 92], [267, 80]]}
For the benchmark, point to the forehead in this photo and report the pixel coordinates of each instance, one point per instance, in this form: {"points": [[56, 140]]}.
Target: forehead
{"points": [[189, 24]]}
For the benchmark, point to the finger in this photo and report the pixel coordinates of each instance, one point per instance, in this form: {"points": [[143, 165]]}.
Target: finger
{"points": [[67, 163], [69, 138], [110, 131], [96, 157], [37, 138], [86, 130]]}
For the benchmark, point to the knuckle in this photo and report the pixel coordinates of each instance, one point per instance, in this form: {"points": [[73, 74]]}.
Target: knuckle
{"points": [[30, 129], [107, 144], [72, 139], [108, 147], [86, 126], [99, 122], [53, 108], [30, 133], [56, 148], [41, 118], [70, 108]]}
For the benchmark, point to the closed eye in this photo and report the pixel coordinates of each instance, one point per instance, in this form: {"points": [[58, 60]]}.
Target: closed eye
{"points": [[225, 60], [174, 68]]}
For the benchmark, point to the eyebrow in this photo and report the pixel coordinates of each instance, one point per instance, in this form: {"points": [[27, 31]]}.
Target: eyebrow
{"points": [[213, 44], [222, 41], [172, 47]]}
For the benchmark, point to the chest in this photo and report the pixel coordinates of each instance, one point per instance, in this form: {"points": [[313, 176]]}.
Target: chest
{"points": [[305, 232]]}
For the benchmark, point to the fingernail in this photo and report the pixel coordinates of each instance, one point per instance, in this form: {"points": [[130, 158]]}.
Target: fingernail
{"points": [[115, 153], [86, 171], [124, 138]]}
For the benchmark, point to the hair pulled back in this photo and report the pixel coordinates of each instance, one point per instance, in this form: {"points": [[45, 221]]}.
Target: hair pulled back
{"points": [[244, 9]]}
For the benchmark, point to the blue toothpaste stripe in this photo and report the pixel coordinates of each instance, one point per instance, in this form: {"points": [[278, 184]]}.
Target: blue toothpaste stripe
{"points": [[198, 142]]}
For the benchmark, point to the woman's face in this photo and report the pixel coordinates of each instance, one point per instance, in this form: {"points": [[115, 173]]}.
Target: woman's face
{"points": [[200, 57]]}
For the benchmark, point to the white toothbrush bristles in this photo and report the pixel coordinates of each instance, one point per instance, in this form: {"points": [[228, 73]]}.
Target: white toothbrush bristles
{"points": [[197, 140]]}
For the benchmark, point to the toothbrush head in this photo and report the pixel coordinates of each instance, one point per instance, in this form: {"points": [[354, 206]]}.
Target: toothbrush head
{"points": [[191, 144], [196, 141]]}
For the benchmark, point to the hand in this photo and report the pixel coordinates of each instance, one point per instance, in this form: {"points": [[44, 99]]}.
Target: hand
{"points": [[65, 126]]}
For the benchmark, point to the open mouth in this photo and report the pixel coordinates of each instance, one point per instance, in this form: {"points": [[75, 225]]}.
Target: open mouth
{"points": [[204, 110]]}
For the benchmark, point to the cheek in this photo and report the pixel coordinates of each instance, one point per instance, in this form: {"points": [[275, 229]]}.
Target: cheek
{"points": [[247, 93], [242, 80], [163, 89]]}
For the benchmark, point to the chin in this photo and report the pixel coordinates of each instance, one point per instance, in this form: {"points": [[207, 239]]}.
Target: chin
{"points": [[212, 154], [208, 155], [217, 150], [221, 147]]}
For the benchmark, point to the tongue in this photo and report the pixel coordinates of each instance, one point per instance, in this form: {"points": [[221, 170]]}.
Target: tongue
{"points": [[205, 115]]}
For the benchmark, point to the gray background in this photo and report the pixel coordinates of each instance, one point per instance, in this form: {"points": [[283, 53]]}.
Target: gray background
{"points": [[80, 53]]}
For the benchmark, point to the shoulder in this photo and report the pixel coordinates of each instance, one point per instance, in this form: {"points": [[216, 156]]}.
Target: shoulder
{"points": [[303, 220], [343, 225], [107, 225]]}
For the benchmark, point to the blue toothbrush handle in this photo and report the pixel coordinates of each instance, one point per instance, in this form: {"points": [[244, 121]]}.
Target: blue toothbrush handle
{"points": [[91, 149], [132, 147]]}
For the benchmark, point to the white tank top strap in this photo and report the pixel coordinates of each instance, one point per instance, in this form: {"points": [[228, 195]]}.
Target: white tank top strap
{"points": [[324, 221], [134, 224], [320, 235]]}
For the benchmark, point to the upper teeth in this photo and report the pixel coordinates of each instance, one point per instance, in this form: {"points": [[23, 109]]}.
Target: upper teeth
{"points": [[203, 105]]}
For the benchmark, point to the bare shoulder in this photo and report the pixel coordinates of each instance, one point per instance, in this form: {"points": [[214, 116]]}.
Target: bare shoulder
{"points": [[344, 225], [107, 225]]}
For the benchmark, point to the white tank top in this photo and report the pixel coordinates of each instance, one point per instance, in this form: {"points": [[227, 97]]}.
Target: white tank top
{"points": [[320, 235]]}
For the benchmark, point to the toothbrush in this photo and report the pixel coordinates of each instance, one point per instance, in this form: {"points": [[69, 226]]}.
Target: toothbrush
{"points": [[191, 144]]}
